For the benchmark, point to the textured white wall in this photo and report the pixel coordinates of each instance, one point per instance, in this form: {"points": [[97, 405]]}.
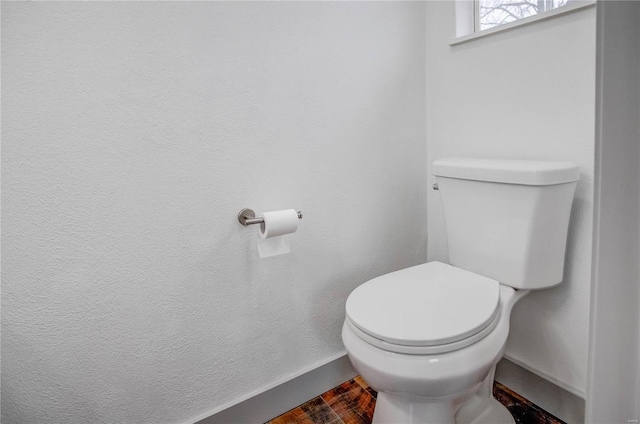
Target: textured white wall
{"points": [[536, 85], [132, 135]]}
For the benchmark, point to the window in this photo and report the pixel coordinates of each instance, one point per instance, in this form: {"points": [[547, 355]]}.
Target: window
{"points": [[479, 18], [491, 13]]}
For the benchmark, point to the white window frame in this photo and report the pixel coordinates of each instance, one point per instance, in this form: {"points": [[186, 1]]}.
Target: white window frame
{"points": [[467, 16]]}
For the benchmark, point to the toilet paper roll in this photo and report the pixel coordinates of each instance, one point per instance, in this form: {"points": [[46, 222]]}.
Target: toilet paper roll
{"points": [[272, 247], [278, 223], [271, 239]]}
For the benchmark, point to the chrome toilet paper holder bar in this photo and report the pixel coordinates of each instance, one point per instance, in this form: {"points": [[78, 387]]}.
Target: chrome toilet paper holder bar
{"points": [[248, 217]]}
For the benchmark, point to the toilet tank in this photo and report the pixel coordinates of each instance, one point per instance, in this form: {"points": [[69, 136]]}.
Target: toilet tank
{"points": [[507, 219]]}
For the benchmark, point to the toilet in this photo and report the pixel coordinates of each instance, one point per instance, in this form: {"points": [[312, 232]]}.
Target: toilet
{"points": [[428, 338]]}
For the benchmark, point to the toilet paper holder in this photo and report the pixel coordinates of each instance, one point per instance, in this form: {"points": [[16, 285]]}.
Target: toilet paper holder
{"points": [[248, 217]]}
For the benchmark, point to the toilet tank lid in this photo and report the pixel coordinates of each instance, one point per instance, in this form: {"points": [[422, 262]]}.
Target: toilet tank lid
{"points": [[510, 171]]}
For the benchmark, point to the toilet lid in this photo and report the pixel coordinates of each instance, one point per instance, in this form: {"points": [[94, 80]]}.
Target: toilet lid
{"points": [[425, 305]]}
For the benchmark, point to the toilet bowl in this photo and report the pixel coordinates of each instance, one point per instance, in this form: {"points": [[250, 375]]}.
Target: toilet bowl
{"points": [[429, 383], [428, 338]]}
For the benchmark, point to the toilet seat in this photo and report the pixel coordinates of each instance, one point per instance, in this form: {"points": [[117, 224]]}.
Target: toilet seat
{"points": [[425, 309]]}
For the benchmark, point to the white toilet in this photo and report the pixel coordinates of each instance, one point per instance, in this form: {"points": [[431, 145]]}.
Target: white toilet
{"points": [[428, 338]]}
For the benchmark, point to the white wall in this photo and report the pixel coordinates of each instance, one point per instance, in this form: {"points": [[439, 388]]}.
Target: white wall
{"points": [[524, 93], [614, 350], [133, 133]]}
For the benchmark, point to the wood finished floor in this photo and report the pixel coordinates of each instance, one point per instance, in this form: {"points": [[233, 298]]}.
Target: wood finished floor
{"points": [[353, 402]]}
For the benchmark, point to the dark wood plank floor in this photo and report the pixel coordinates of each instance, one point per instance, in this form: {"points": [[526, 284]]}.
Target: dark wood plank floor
{"points": [[353, 402]]}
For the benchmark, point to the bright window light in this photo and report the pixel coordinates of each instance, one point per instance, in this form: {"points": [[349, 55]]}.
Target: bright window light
{"points": [[492, 13]]}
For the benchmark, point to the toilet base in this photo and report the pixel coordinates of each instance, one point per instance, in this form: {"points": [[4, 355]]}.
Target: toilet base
{"points": [[412, 410], [409, 409], [475, 406]]}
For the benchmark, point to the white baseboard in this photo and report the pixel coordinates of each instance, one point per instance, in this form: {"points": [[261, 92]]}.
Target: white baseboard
{"points": [[571, 389], [547, 395], [279, 399]]}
